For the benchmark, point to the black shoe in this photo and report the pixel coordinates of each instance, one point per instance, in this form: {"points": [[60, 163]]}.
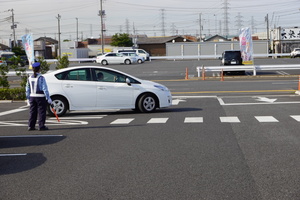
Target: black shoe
{"points": [[31, 128], [44, 128]]}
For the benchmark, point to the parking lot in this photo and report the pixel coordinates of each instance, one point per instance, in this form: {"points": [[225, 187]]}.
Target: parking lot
{"points": [[232, 139]]}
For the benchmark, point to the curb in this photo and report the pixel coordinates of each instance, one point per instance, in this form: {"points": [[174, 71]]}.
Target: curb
{"points": [[13, 101]]}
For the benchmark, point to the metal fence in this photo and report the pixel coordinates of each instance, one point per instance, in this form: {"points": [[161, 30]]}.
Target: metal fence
{"points": [[254, 68]]}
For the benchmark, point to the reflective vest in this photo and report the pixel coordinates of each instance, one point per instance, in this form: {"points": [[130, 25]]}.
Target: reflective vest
{"points": [[34, 87]]}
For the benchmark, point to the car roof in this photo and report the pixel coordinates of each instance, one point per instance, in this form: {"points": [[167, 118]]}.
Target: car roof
{"points": [[90, 66]]}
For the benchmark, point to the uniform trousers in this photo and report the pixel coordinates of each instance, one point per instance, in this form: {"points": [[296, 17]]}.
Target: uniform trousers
{"points": [[38, 106]]}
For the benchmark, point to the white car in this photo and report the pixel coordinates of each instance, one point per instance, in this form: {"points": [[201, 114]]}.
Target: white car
{"points": [[139, 59], [114, 58], [78, 88], [295, 53]]}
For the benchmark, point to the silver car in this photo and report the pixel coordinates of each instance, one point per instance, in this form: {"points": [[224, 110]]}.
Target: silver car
{"points": [[114, 58], [139, 59]]}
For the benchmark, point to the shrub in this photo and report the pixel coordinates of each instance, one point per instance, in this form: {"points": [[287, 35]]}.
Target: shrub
{"points": [[63, 62], [12, 94]]}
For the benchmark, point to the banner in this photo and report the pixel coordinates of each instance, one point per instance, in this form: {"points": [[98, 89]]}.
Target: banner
{"points": [[27, 42], [246, 46]]}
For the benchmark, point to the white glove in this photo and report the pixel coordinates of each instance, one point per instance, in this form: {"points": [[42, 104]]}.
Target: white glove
{"points": [[49, 101]]}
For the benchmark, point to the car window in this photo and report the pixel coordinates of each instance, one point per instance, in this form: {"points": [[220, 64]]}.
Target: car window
{"points": [[111, 54], [232, 55], [128, 50], [111, 76], [78, 74], [141, 51]]}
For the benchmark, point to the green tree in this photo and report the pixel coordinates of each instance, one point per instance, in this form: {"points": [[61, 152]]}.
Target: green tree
{"points": [[4, 69], [44, 65], [121, 40], [63, 62], [18, 51]]}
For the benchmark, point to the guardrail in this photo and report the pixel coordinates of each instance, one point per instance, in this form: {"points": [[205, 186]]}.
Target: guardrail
{"points": [[253, 68], [199, 57]]}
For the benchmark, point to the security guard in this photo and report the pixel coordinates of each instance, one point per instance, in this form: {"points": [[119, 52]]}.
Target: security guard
{"points": [[38, 95]]}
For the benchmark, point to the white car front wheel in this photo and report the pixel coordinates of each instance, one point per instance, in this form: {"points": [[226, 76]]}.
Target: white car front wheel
{"points": [[147, 103]]}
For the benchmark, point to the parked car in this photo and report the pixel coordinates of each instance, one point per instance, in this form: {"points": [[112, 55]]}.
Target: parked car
{"points": [[232, 57], [83, 88], [114, 58], [140, 52], [3, 62], [139, 59], [10, 58], [295, 53], [24, 59]]}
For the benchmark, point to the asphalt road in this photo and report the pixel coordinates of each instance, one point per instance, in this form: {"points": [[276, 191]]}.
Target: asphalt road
{"points": [[233, 139]]}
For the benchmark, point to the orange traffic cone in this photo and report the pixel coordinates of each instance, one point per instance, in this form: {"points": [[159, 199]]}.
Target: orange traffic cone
{"points": [[222, 75]]}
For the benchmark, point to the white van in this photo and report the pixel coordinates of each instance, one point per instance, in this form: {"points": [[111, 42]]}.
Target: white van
{"points": [[140, 52]]}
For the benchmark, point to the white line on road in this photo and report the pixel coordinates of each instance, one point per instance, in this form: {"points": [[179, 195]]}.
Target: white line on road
{"points": [[18, 154], [193, 120], [12, 111], [48, 122], [157, 120], [122, 121], [230, 119], [266, 119], [81, 117], [296, 117], [30, 136]]}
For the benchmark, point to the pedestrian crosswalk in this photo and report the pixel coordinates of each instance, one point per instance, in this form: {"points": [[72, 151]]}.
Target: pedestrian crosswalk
{"points": [[190, 120]]}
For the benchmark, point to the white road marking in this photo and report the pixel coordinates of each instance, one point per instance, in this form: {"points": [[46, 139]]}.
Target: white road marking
{"points": [[122, 121], [30, 136], [265, 99], [81, 117], [7, 155], [230, 119], [193, 120], [157, 120], [296, 117], [282, 73], [48, 123], [176, 101], [266, 119], [12, 111]]}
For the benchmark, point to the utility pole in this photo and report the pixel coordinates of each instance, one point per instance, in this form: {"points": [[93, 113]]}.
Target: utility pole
{"points": [[163, 30], [76, 41], [101, 21], [268, 36], [59, 46], [13, 26], [200, 28]]}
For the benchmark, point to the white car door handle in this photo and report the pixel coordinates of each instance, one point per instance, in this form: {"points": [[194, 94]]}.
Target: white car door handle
{"points": [[101, 88], [68, 86]]}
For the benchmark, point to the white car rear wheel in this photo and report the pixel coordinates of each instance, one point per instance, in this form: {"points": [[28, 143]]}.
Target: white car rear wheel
{"points": [[127, 62]]}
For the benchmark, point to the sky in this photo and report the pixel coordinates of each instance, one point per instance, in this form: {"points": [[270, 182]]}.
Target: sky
{"points": [[150, 17]]}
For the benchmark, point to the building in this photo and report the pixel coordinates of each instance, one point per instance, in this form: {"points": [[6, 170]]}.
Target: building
{"points": [[156, 46], [45, 47]]}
